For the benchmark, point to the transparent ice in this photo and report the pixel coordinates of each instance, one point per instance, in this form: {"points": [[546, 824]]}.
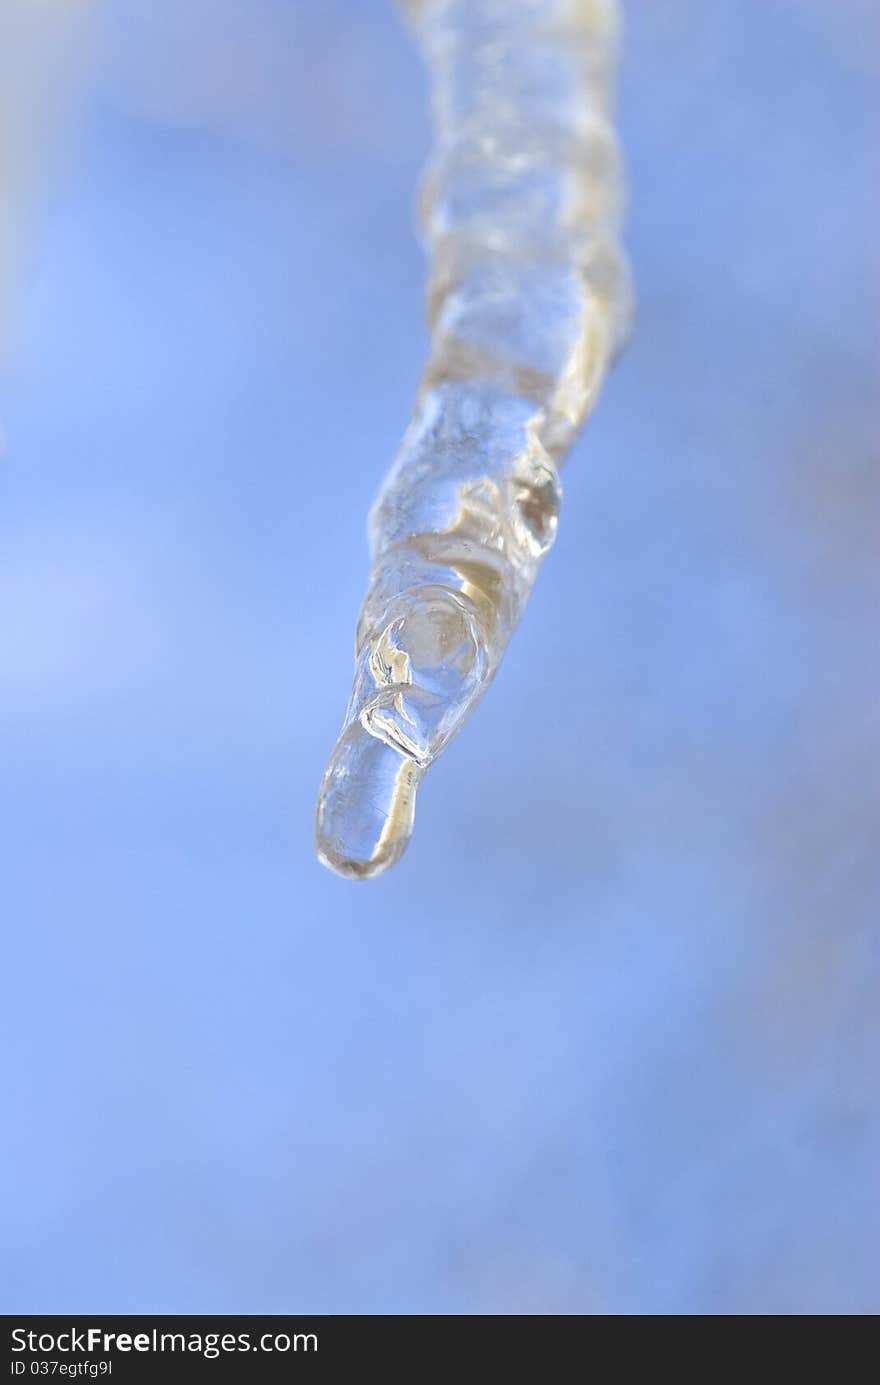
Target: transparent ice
{"points": [[528, 301]]}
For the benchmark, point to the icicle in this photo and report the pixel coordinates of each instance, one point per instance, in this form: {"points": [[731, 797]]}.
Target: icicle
{"points": [[529, 300]]}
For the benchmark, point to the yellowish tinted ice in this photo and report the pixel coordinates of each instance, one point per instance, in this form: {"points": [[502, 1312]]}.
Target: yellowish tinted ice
{"points": [[528, 301]]}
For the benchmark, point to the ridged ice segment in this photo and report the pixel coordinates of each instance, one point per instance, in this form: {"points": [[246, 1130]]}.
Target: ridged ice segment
{"points": [[528, 301]]}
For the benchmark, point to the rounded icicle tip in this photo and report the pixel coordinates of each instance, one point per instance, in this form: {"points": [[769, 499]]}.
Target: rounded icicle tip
{"points": [[366, 807]]}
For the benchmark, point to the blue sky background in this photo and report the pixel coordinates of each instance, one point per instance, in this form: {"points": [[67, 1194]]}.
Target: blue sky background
{"points": [[607, 1040]]}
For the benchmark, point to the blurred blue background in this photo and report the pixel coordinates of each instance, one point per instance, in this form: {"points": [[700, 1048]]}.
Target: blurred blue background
{"points": [[607, 1040]]}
